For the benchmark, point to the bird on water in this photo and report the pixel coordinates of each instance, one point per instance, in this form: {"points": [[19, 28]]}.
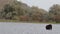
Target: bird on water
{"points": [[49, 27]]}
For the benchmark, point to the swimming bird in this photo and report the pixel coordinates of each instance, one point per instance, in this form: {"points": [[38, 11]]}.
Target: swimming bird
{"points": [[49, 27]]}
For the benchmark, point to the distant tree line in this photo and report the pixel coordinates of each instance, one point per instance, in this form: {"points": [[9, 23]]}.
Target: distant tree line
{"points": [[22, 12]]}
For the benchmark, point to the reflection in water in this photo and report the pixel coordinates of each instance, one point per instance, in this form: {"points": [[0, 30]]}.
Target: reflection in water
{"points": [[27, 28]]}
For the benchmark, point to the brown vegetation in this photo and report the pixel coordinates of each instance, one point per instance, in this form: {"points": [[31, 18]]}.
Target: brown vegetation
{"points": [[14, 10]]}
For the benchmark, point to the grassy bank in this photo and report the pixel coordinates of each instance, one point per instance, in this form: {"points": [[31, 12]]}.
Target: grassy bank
{"points": [[16, 21], [8, 20]]}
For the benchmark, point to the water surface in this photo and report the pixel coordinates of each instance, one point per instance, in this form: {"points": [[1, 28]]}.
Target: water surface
{"points": [[28, 28]]}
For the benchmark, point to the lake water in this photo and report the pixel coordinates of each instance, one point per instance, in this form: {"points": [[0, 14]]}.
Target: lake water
{"points": [[28, 28]]}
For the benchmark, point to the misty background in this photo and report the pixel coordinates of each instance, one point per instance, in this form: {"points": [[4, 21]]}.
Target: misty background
{"points": [[45, 4]]}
